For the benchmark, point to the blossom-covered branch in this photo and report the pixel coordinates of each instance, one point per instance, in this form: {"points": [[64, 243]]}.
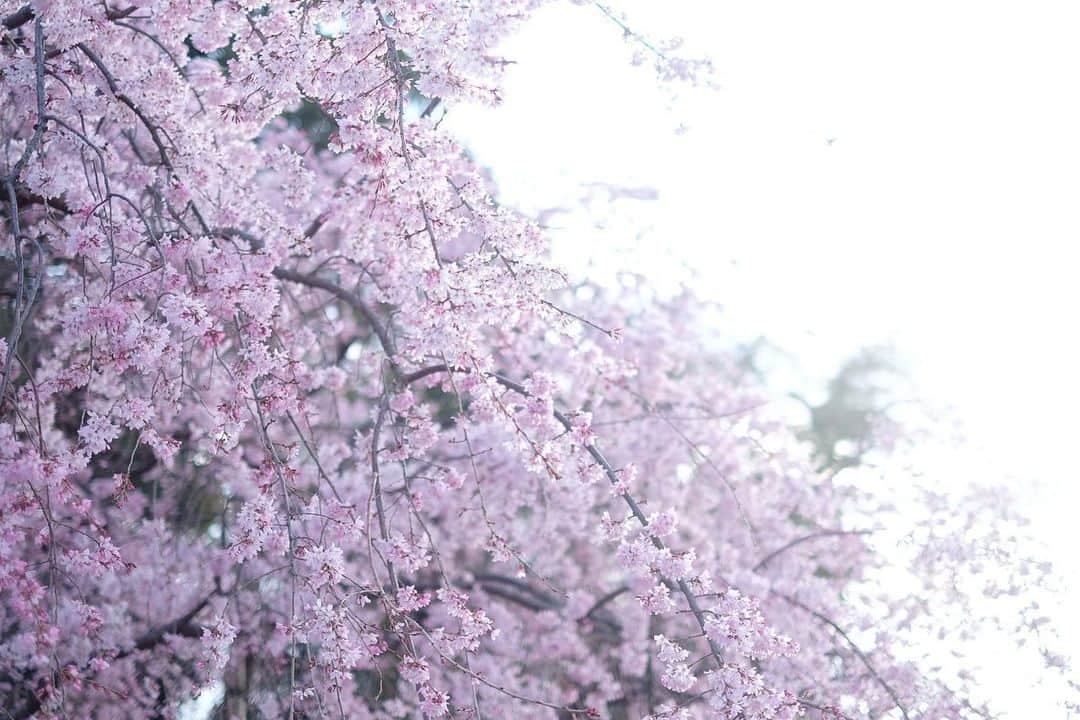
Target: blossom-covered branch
{"points": [[292, 406]]}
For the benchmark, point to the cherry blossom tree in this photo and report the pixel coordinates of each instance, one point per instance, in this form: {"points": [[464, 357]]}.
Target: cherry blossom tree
{"points": [[293, 409]]}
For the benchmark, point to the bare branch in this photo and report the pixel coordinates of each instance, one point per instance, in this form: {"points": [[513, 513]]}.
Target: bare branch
{"points": [[19, 18], [806, 538]]}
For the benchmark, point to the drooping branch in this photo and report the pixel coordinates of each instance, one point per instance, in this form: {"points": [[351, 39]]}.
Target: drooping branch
{"points": [[349, 298], [609, 471], [24, 297], [854, 647], [805, 538], [598, 457], [635, 509], [155, 132]]}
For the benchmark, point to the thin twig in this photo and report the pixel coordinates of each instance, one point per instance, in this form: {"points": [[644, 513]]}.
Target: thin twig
{"points": [[805, 538]]}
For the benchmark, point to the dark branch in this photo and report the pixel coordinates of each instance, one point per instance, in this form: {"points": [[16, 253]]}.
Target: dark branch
{"points": [[155, 134], [24, 298], [19, 18], [349, 298], [855, 648], [805, 538]]}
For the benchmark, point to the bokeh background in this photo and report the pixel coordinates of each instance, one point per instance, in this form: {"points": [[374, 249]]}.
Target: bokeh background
{"points": [[866, 179]]}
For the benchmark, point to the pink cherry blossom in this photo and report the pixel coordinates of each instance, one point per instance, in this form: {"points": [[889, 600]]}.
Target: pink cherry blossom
{"points": [[292, 406]]}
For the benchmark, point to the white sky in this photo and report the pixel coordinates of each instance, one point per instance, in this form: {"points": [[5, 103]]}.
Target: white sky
{"points": [[943, 218]]}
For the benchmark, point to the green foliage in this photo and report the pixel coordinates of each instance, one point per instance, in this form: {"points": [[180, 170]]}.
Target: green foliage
{"points": [[844, 427]]}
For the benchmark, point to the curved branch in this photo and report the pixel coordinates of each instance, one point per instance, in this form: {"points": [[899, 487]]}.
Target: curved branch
{"points": [[349, 298], [155, 133], [19, 18], [599, 604], [24, 298], [855, 648], [635, 510], [598, 457], [805, 538]]}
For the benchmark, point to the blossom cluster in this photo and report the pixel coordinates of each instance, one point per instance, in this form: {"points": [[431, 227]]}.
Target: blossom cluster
{"points": [[290, 404]]}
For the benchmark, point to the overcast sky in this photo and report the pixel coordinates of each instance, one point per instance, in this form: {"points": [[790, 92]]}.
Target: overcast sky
{"points": [[866, 172]]}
